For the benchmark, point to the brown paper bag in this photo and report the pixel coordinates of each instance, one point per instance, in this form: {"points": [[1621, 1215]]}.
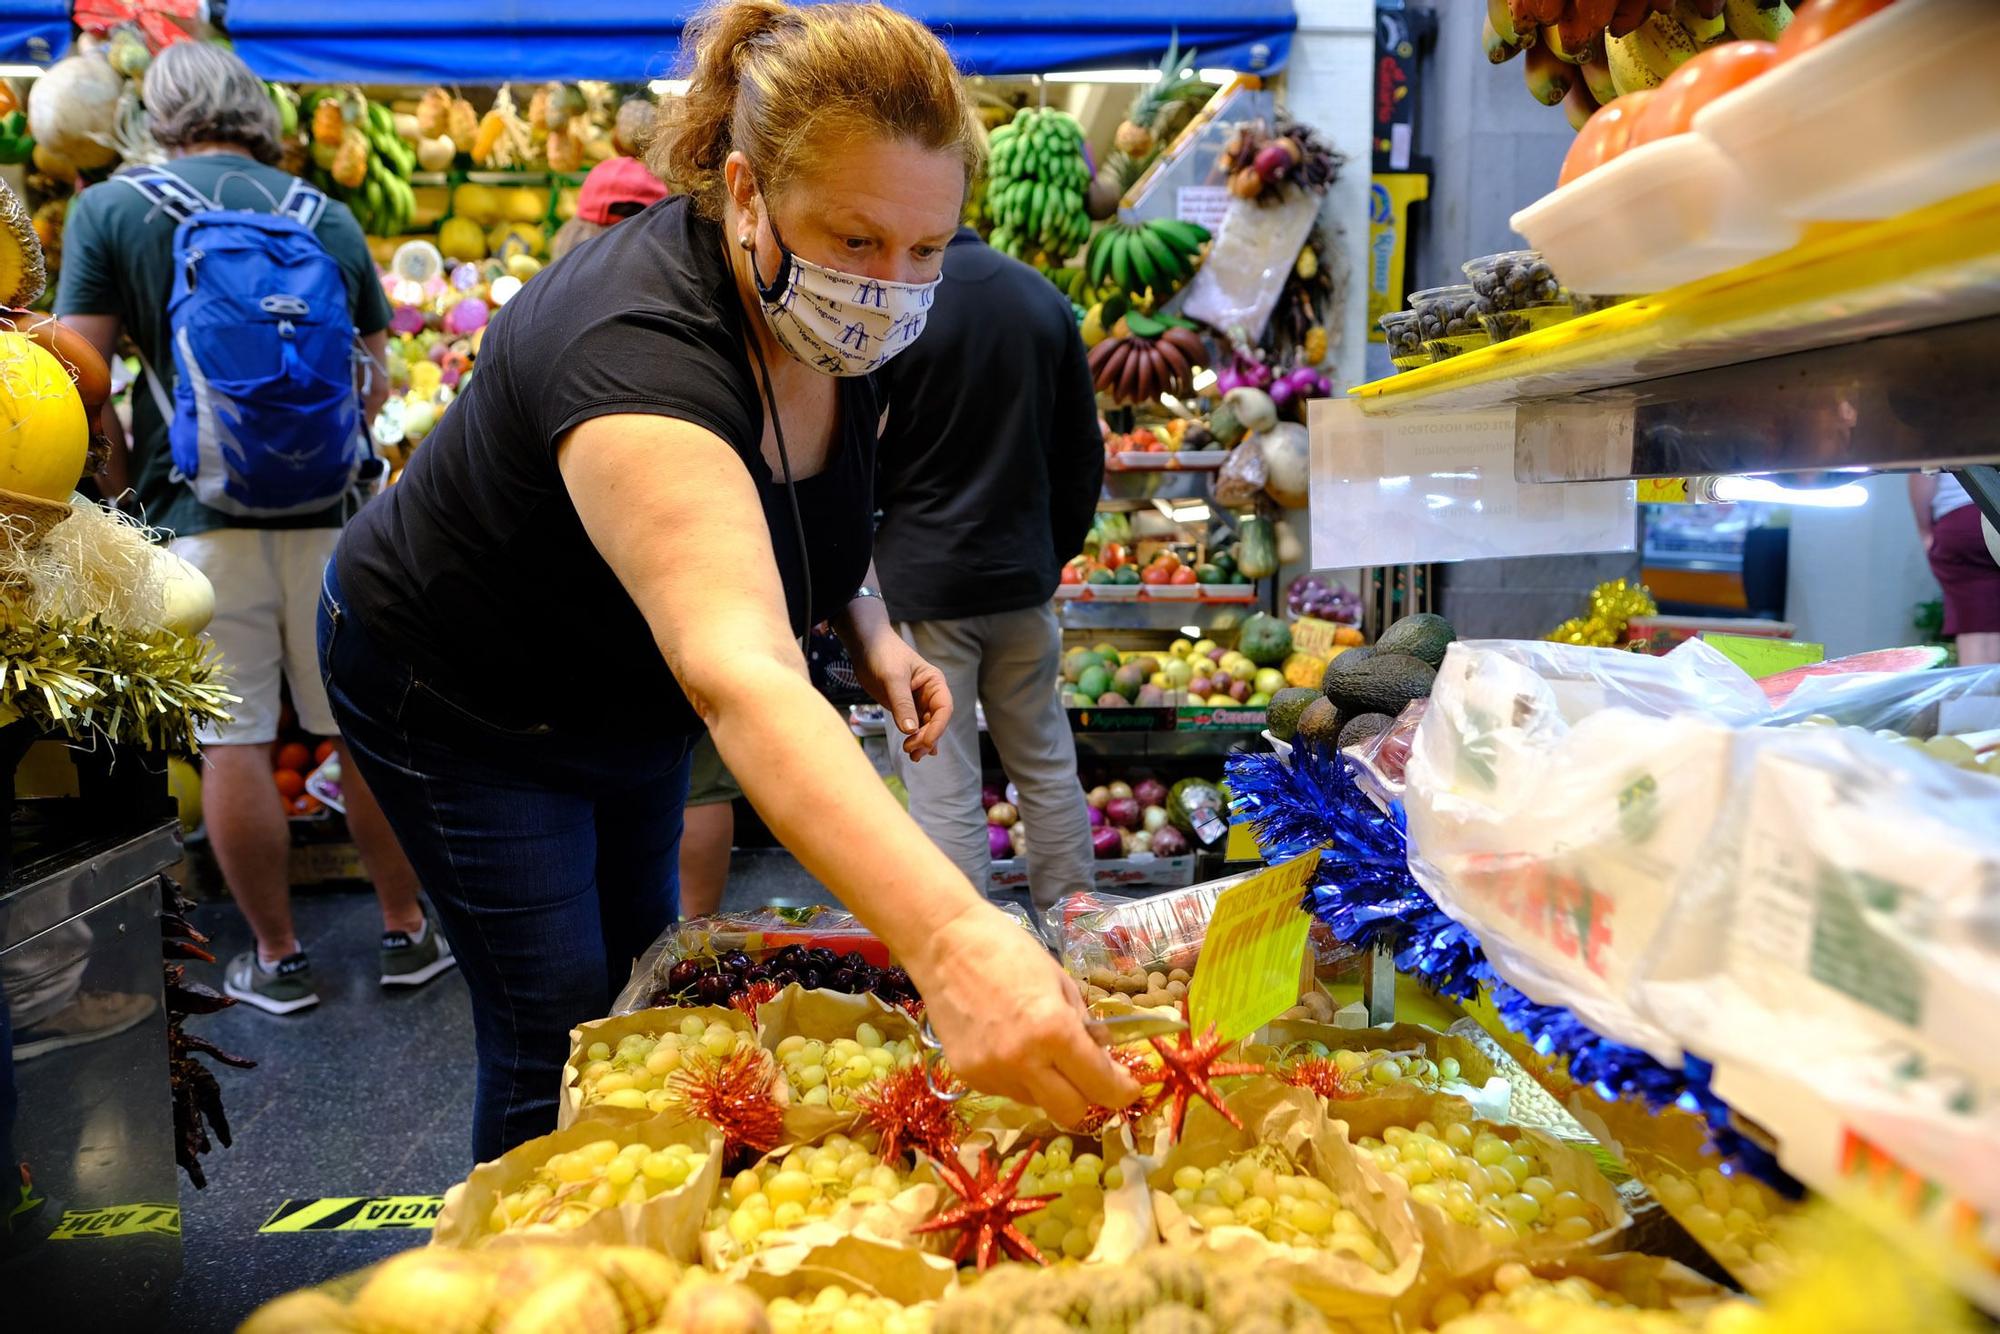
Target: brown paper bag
{"points": [[1341, 1286], [570, 1107], [824, 1015], [1455, 1249], [669, 1222]]}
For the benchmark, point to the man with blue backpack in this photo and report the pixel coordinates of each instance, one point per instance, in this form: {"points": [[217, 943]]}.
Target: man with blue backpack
{"points": [[260, 321]]}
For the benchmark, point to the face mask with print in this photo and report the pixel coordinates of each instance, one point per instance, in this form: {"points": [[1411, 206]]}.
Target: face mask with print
{"points": [[839, 323]]}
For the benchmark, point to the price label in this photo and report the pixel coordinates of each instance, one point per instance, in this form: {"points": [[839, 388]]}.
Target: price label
{"points": [[1314, 637], [1249, 969], [1760, 657], [1203, 205], [1663, 491]]}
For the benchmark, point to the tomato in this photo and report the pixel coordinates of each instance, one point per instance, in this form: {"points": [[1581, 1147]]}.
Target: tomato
{"points": [[1111, 555], [294, 756], [1183, 575], [1604, 135], [322, 753], [1817, 20], [1694, 85], [1144, 438], [1156, 573], [1071, 574], [290, 782]]}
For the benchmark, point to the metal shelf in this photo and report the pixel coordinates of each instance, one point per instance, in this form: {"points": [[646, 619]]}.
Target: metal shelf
{"points": [[1081, 614], [1868, 346]]}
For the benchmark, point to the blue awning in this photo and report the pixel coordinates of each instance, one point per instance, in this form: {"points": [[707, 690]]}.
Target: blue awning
{"points": [[624, 41], [34, 32]]}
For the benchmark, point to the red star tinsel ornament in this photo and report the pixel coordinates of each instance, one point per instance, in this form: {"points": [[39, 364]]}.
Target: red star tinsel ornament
{"points": [[987, 1207], [1321, 1076], [903, 1107], [736, 1094], [754, 995], [1188, 1067], [1097, 1119]]}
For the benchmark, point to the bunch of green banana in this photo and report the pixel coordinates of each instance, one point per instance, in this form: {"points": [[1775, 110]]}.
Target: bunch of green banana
{"points": [[1036, 183], [1160, 255], [369, 170], [16, 144]]}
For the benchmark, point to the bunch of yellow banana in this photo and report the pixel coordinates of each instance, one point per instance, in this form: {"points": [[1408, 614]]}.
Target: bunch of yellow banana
{"points": [[1036, 183], [1582, 53], [360, 158], [1160, 254]]}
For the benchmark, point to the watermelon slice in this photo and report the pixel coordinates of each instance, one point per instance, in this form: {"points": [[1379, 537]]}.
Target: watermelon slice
{"points": [[1918, 658]]}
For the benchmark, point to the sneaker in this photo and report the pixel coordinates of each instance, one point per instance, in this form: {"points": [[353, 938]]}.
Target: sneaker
{"points": [[91, 1016], [409, 961], [280, 989]]}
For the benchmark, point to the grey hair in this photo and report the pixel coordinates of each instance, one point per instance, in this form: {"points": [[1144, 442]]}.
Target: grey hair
{"points": [[201, 93]]}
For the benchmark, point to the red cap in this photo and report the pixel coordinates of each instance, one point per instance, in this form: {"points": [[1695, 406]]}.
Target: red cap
{"points": [[615, 189]]}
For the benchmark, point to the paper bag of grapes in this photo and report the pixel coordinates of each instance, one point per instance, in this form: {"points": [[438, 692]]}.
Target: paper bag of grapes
{"points": [[622, 1068], [1748, 1228], [646, 1184], [1289, 1194], [796, 1207], [608, 1289], [1483, 1192], [1395, 1060], [1604, 1293], [832, 1047]]}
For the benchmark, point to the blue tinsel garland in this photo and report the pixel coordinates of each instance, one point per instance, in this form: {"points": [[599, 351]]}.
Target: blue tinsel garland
{"points": [[1364, 892]]}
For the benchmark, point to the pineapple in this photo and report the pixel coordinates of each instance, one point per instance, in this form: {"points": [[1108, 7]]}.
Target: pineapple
{"points": [[22, 275], [1136, 136]]}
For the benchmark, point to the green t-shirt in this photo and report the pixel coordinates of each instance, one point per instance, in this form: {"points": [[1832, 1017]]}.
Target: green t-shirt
{"points": [[118, 259]]}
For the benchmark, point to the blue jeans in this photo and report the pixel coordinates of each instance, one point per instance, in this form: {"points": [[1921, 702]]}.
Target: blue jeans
{"points": [[552, 859]]}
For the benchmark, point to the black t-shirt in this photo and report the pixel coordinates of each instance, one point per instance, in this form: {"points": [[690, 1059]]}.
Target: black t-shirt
{"points": [[475, 565], [991, 460]]}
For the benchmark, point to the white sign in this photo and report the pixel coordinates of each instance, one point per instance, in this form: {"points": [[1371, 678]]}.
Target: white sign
{"points": [[1202, 205], [1439, 486]]}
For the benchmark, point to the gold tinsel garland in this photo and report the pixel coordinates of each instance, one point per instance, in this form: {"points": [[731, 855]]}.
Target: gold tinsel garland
{"points": [[1613, 605], [89, 681]]}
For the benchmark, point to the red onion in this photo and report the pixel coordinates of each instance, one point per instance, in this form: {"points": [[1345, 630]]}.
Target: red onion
{"points": [[1106, 843], [1096, 816], [1169, 842], [998, 845], [1150, 792], [989, 797], [1123, 812]]}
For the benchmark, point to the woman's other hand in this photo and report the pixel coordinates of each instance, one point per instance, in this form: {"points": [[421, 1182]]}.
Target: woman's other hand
{"points": [[1011, 1020], [898, 678]]}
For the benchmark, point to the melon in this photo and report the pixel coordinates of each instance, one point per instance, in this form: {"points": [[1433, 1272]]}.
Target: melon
{"points": [[42, 420]]}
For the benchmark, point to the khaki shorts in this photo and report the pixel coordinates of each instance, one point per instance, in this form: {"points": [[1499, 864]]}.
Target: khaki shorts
{"points": [[709, 780], [267, 583]]}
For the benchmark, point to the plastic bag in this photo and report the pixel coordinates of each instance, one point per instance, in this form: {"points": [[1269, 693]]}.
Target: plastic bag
{"points": [[1242, 474], [1555, 795], [1249, 262], [760, 934], [1919, 704], [1096, 933], [1380, 761], [1834, 953]]}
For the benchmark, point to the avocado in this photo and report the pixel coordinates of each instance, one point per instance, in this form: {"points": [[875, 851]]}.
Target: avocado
{"points": [[1348, 660], [1282, 714], [1126, 574], [1420, 635], [1319, 725], [1100, 575], [1094, 682], [1207, 574], [1225, 562], [1363, 726], [1382, 683]]}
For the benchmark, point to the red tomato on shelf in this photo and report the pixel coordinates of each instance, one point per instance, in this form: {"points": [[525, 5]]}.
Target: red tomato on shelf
{"points": [[291, 784], [322, 753], [1694, 85], [1071, 574], [1158, 572], [1817, 20], [1604, 136], [1183, 575], [1111, 555], [294, 756]]}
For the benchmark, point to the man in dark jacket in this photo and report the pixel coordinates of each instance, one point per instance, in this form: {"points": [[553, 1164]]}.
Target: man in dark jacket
{"points": [[990, 469]]}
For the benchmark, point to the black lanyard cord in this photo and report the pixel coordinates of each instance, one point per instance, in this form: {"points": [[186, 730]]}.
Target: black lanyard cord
{"points": [[791, 491]]}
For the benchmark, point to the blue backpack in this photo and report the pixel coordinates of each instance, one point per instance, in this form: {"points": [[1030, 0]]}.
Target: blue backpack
{"points": [[265, 419]]}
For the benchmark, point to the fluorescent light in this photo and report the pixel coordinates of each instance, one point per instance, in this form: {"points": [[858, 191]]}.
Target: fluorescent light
{"points": [[1763, 490], [1192, 631], [1192, 514], [1218, 77], [670, 87], [21, 71], [1203, 379]]}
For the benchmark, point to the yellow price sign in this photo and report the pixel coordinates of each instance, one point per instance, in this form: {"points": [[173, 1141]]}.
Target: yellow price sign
{"points": [[1249, 969], [1663, 491]]}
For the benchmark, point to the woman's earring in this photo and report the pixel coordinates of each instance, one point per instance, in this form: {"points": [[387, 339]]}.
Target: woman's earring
{"points": [[745, 242]]}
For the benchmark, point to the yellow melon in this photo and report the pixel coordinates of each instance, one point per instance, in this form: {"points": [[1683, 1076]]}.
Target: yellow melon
{"points": [[43, 431]]}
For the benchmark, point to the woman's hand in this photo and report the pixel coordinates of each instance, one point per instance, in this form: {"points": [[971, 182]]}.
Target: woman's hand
{"points": [[1011, 1020], [914, 692]]}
